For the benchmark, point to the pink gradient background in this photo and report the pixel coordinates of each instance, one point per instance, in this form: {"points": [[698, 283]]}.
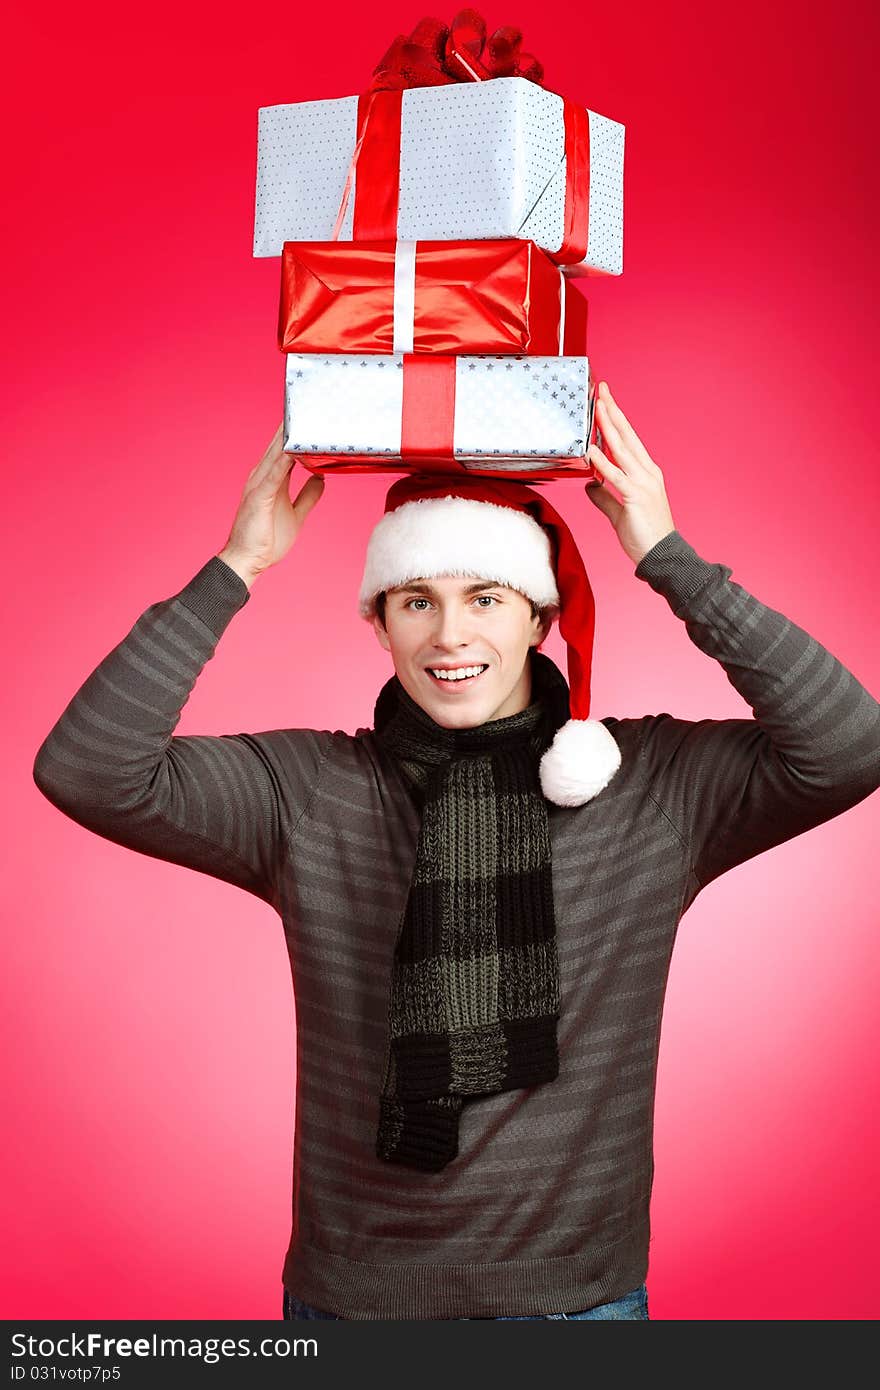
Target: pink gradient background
{"points": [[147, 1158]]}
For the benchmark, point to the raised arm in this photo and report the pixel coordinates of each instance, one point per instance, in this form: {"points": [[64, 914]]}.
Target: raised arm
{"points": [[736, 787], [222, 805]]}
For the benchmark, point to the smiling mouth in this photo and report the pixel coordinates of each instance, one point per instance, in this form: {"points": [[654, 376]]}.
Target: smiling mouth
{"points": [[453, 682]]}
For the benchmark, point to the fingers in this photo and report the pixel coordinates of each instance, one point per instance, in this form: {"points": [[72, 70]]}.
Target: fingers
{"points": [[610, 414], [274, 465], [624, 458], [308, 495], [602, 499], [273, 448], [609, 471]]}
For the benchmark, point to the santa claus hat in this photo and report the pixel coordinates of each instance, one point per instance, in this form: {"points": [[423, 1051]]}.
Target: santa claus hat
{"points": [[506, 532]]}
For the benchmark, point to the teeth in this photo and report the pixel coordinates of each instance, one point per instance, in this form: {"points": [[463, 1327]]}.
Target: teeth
{"points": [[456, 675]]}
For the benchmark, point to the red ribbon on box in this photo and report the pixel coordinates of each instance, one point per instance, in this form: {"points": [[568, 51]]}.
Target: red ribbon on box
{"points": [[434, 55], [428, 415]]}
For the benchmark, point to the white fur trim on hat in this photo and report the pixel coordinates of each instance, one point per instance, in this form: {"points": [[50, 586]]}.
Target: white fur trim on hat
{"points": [[432, 536], [581, 760]]}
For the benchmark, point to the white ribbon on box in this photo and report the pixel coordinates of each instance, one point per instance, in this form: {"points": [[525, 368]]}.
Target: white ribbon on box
{"points": [[405, 298], [404, 295]]}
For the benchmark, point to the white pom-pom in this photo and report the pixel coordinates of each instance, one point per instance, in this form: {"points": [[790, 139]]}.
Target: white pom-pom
{"points": [[580, 761]]}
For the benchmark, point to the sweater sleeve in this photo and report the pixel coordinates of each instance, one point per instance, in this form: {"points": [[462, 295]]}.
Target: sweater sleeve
{"points": [[735, 787], [223, 805]]}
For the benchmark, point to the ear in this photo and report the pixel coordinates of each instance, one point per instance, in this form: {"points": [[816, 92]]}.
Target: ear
{"points": [[541, 629], [381, 633]]}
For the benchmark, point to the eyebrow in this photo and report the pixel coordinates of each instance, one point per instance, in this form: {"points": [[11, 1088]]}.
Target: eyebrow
{"points": [[427, 589]]}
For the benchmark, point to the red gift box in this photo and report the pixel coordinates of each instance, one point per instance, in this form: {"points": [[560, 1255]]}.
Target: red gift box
{"points": [[490, 296]]}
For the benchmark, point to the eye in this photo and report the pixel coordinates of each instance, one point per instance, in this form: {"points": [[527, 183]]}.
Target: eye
{"points": [[492, 599]]}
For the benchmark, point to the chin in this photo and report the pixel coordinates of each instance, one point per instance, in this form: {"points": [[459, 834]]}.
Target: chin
{"points": [[458, 719], [467, 715], [454, 713]]}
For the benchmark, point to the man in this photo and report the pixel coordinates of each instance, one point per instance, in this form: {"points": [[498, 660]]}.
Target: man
{"points": [[481, 893]]}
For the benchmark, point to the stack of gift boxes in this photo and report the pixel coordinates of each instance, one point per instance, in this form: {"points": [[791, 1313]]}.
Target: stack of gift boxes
{"points": [[429, 233]]}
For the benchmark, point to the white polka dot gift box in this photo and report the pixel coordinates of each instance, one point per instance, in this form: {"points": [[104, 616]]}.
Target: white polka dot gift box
{"points": [[501, 415], [466, 159]]}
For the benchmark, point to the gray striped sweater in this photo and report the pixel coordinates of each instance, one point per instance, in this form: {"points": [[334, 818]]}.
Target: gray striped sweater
{"points": [[546, 1209]]}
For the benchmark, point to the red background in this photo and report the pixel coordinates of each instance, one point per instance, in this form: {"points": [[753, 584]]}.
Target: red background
{"points": [[150, 1113]]}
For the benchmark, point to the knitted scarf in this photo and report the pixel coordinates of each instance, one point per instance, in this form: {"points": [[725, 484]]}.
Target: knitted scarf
{"points": [[474, 996]]}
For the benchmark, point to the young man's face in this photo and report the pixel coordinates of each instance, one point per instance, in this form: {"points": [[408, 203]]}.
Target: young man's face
{"points": [[453, 622]]}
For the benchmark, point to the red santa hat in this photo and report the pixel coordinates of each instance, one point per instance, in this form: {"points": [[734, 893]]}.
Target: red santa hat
{"points": [[509, 533]]}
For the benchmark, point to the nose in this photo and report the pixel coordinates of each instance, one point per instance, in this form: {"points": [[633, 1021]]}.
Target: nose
{"points": [[451, 627]]}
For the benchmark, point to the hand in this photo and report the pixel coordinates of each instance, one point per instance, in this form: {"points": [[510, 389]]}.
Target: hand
{"points": [[642, 517], [267, 522]]}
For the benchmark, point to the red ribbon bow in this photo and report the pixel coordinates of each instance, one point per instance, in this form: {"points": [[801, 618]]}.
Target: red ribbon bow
{"points": [[435, 54]]}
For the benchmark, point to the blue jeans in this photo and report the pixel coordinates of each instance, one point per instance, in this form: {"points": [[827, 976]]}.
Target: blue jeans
{"points": [[630, 1305]]}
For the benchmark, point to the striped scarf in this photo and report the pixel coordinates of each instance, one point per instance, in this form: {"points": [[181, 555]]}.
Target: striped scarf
{"points": [[474, 997]]}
